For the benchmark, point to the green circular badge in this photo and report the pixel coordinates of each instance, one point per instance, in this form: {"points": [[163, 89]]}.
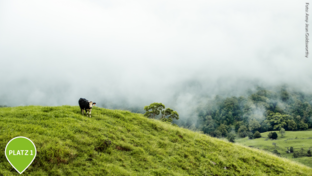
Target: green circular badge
{"points": [[20, 152]]}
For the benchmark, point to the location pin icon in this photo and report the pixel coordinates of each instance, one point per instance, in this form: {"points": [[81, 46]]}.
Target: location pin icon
{"points": [[20, 152]]}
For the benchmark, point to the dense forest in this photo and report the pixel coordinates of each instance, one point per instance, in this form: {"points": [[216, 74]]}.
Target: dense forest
{"points": [[259, 110]]}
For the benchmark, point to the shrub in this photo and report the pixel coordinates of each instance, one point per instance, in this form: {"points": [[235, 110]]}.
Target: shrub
{"points": [[296, 154], [282, 131], [303, 125], [270, 135], [274, 135], [257, 135], [250, 135], [309, 153], [291, 150], [231, 137], [242, 131], [217, 133]]}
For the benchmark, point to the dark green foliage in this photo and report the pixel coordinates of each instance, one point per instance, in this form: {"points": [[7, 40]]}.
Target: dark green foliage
{"points": [[292, 125], [253, 125], [291, 150], [274, 135], [262, 110], [250, 135], [270, 135], [296, 154], [302, 153], [309, 153], [278, 120], [242, 131], [231, 137], [217, 134], [257, 134], [166, 112], [209, 126], [238, 124], [153, 109], [168, 115], [264, 127], [223, 129], [303, 126]]}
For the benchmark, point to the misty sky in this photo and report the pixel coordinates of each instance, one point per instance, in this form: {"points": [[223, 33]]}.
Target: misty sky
{"points": [[140, 52]]}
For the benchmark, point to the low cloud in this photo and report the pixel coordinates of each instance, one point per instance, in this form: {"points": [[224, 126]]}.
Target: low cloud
{"points": [[123, 54]]}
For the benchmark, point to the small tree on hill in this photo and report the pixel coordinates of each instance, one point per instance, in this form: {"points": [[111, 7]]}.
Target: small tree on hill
{"points": [[242, 131], [270, 135], [168, 115], [274, 135], [250, 135], [257, 135], [231, 137], [166, 112], [153, 109], [282, 132]]}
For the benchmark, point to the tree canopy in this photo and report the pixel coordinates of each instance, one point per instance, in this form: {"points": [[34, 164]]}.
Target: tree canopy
{"points": [[154, 109]]}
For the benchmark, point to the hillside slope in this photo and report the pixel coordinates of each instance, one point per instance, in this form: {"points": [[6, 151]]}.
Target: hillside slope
{"points": [[71, 144], [296, 139]]}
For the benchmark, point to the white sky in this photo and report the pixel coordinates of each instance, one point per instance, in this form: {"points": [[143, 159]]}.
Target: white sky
{"points": [[54, 52]]}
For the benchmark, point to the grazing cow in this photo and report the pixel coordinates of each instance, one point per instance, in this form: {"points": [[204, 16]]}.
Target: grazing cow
{"points": [[86, 105]]}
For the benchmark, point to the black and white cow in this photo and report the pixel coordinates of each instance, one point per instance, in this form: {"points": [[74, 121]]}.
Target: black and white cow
{"points": [[86, 105]]}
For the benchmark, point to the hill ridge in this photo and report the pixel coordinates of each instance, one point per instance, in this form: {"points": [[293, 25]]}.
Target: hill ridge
{"points": [[118, 142]]}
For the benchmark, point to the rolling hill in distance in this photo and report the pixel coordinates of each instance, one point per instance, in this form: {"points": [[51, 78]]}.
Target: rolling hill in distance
{"points": [[301, 141]]}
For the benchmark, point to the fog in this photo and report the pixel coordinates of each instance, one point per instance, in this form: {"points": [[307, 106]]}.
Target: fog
{"points": [[129, 54]]}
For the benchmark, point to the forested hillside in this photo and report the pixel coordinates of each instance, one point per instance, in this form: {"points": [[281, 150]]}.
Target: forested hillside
{"points": [[259, 110]]}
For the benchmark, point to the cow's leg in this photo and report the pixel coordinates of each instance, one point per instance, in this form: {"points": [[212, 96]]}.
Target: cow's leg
{"points": [[90, 112], [81, 111]]}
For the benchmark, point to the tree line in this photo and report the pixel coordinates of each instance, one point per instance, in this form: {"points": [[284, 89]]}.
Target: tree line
{"points": [[259, 111]]}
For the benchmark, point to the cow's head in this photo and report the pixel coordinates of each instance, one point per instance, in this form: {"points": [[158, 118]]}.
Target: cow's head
{"points": [[91, 104]]}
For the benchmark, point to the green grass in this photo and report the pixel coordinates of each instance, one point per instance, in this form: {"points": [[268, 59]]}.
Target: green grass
{"points": [[72, 144], [304, 140]]}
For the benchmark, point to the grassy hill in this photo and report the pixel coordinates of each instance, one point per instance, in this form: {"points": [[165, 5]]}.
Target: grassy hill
{"points": [[71, 144], [295, 139]]}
